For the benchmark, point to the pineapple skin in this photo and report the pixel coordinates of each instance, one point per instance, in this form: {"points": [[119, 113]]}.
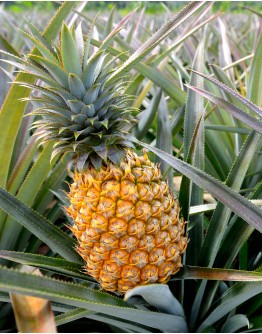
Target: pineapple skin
{"points": [[127, 224]]}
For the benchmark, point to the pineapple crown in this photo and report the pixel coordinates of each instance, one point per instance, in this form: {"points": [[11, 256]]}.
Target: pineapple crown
{"points": [[82, 105]]}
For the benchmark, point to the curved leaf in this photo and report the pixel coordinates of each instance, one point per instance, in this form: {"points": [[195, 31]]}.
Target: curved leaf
{"points": [[240, 114], [27, 192], [235, 323], [56, 265], [57, 240], [159, 296], [158, 37], [77, 313], [11, 120], [237, 203], [72, 294], [233, 297], [250, 105]]}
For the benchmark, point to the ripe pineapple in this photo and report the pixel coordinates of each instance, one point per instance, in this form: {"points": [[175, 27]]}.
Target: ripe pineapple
{"points": [[126, 220]]}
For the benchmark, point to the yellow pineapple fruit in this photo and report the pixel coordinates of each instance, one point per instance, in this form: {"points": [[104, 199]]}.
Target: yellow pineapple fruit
{"points": [[127, 223], [126, 220]]}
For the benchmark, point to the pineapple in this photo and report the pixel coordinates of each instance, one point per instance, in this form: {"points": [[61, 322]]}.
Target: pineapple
{"points": [[125, 218]]}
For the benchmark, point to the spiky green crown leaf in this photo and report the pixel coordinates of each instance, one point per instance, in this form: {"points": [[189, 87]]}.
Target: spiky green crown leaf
{"points": [[80, 110]]}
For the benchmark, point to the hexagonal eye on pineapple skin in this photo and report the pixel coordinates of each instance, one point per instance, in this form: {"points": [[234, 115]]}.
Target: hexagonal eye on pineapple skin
{"points": [[142, 239]]}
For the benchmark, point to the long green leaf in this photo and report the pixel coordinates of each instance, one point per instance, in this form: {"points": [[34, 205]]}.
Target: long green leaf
{"points": [[57, 240], [235, 323], [254, 91], [233, 297], [72, 315], [193, 272], [10, 121], [250, 105], [193, 119], [222, 213], [158, 37], [77, 313], [164, 137], [240, 114], [237, 203], [27, 193], [59, 266], [80, 296], [147, 116]]}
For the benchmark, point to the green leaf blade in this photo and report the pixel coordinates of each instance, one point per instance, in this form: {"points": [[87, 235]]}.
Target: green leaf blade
{"points": [[194, 142], [70, 55], [11, 121], [233, 297], [56, 239], [158, 37], [75, 295], [57, 265], [254, 123], [241, 206]]}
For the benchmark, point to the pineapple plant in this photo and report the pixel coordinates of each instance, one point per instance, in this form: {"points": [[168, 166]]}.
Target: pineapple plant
{"points": [[125, 218], [32, 226]]}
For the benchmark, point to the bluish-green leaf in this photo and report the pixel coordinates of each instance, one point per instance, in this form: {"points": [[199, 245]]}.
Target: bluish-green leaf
{"points": [[159, 296], [58, 73], [234, 297], [76, 86], [235, 323]]}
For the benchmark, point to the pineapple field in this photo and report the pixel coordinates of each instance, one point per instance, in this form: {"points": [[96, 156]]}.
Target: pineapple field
{"points": [[130, 167]]}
